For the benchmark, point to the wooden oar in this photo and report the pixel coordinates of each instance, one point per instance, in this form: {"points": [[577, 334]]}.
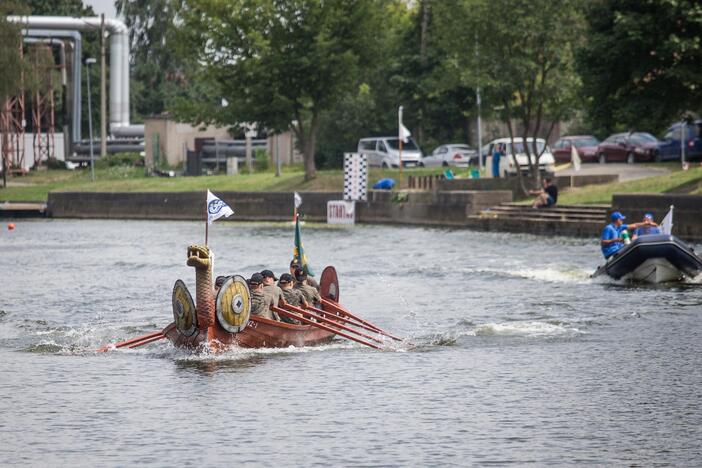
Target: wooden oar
{"points": [[333, 323], [339, 308], [346, 320], [134, 341], [150, 340], [322, 326]]}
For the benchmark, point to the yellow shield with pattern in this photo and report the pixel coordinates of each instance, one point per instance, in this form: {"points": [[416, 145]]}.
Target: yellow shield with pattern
{"points": [[233, 304], [184, 314]]}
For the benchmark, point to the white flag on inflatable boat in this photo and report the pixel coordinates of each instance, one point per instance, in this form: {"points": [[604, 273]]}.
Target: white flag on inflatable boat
{"points": [[216, 208], [667, 223], [298, 200], [574, 157]]}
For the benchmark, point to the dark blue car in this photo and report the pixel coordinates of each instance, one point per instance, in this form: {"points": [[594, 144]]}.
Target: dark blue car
{"points": [[670, 145]]}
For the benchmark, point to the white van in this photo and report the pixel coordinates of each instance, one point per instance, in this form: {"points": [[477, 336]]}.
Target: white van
{"points": [[546, 162], [385, 152]]}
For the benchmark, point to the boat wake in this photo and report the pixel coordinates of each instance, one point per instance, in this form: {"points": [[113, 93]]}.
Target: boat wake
{"points": [[534, 329], [546, 274]]}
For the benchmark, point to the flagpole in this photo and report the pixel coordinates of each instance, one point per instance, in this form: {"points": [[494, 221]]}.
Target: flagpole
{"points": [[207, 224]]}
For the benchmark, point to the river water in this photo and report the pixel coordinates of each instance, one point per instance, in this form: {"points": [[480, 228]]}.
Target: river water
{"points": [[514, 355]]}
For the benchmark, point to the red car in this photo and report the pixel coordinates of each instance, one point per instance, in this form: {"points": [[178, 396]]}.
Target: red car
{"points": [[630, 147], [586, 145]]}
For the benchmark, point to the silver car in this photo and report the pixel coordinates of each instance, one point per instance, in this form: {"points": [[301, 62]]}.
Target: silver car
{"points": [[458, 155]]}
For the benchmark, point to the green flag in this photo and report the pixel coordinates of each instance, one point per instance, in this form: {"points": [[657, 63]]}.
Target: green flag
{"points": [[299, 253]]}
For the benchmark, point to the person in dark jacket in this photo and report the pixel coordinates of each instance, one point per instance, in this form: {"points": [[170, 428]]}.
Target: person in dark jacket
{"points": [[547, 196]]}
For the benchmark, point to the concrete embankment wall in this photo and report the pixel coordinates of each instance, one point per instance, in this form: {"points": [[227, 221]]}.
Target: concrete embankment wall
{"points": [[687, 215], [425, 208], [248, 206]]}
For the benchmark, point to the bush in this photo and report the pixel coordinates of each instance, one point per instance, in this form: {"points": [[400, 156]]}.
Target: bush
{"points": [[120, 159], [261, 159], [53, 163]]}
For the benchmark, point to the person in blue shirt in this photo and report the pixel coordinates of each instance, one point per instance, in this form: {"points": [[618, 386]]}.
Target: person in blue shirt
{"points": [[496, 155], [612, 240], [648, 228]]}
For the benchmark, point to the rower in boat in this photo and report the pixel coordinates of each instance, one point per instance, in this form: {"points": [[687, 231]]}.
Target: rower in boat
{"points": [[291, 296], [270, 289], [260, 303], [294, 266], [311, 294]]}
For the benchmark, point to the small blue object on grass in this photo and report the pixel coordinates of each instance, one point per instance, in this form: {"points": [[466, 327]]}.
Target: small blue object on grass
{"points": [[384, 184]]}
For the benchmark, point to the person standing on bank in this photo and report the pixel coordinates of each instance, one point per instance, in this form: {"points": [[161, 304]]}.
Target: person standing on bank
{"points": [[547, 196], [496, 155], [614, 233]]}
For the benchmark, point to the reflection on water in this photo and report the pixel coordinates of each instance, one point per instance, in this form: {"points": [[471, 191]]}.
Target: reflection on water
{"points": [[514, 354]]}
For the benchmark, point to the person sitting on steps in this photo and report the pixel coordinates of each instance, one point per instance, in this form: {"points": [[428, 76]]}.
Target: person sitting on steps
{"points": [[547, 196]]}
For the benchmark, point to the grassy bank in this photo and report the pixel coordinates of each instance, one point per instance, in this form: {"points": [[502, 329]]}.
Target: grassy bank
{"points": [[36, 185], [678, 181]]}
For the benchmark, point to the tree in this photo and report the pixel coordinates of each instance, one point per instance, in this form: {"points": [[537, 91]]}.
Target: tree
{"points": [[11, 61], [278, 63], [641, 64], [157, 71], [525, 66]]}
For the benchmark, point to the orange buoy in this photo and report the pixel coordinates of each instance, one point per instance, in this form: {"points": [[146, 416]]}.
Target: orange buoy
{"points": [[10, 226]]}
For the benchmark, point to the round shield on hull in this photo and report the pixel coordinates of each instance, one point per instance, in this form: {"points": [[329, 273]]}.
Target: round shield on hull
{"points": [[233, 304], [184, 315], [329, 284]]}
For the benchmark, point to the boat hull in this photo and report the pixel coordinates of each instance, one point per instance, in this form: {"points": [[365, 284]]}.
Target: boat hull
{"points": [[653, 259], [259, 333]]}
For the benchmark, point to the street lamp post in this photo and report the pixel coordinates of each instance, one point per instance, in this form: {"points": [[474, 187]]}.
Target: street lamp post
{"points": [[88, 62]]}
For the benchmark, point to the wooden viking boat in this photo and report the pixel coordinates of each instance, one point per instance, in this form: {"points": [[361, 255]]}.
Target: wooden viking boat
{"points": [[229, 322], [225, 320]]}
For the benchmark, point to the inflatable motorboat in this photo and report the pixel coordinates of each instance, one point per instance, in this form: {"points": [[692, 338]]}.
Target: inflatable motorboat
{"points": [[657, 258]]}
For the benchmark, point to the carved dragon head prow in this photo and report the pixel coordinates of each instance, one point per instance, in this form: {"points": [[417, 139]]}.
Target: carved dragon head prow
{"points": [[199, 256]]}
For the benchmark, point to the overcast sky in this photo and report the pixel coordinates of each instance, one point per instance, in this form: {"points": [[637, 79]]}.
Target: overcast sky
{"points": [[102, 6]]}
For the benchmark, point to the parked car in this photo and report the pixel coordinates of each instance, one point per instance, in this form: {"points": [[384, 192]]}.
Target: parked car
{"points": [[507, 167], [670, 145], [385, 152], [451, 155], [586, 145], [630, 147]]}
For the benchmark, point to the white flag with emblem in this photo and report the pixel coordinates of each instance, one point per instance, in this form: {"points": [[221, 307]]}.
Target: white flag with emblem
{"points": [[574, 157], [667, 223], [298, 200], [216, 208]]}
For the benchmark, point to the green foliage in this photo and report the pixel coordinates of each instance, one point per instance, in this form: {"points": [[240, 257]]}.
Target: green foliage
{"points": [[120, 159], [641, 64], [158, 73], [11, 62], [261, 159], [520, 53], [278, 63]]}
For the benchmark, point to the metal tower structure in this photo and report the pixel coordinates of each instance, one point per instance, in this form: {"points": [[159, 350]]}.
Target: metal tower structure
{"points": [[43, 109], [12, 124]]}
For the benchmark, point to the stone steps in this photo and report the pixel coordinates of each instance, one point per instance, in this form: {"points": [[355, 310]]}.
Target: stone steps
{"points": [[575, 220]]}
